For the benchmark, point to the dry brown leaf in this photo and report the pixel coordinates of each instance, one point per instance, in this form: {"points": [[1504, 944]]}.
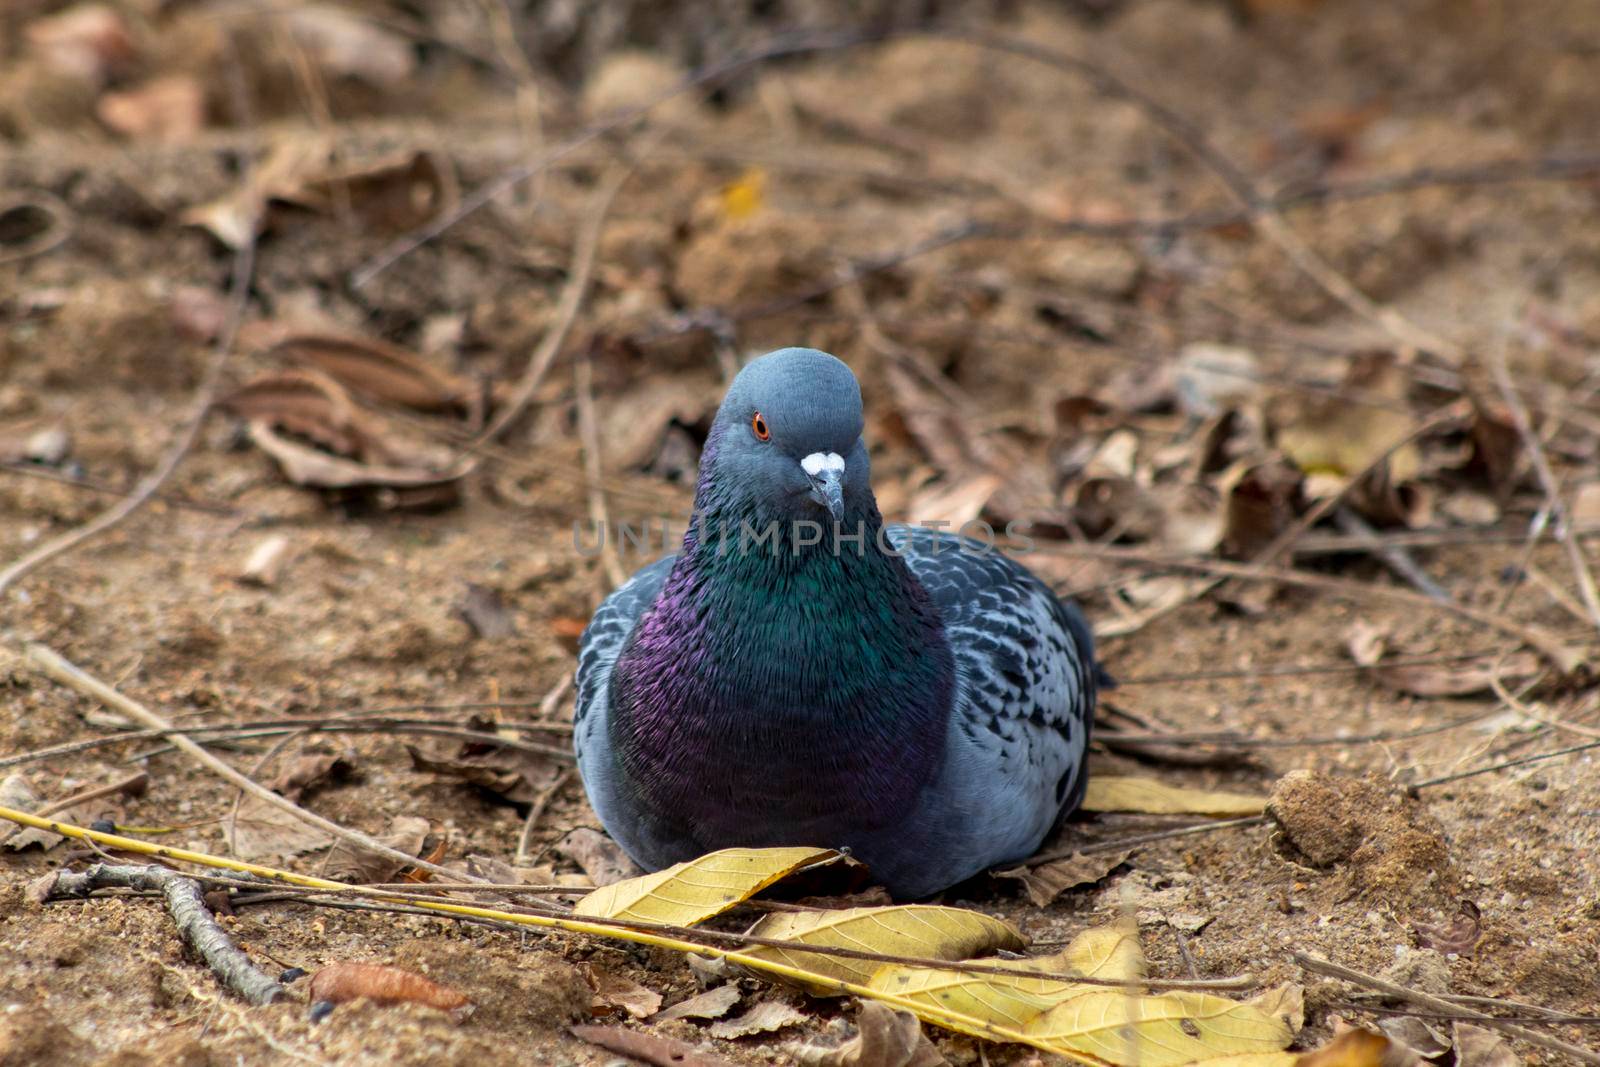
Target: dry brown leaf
{"points": [[396, 193], [237, 217], [1048, 881], [1456, 937], [712, 1004], [1210, 378], [486, 613], [350, 862], [601, 858], [261, 832], [613, 991], [89, 41], [310, 772], [647, 1047], [1357, 1048], [1479, 1046], [311, 467], [1367, 644], [1332, 440], [1262, 497], [515, 776], [377, 369], [309, 405], [338, 983], [168, 110], [767, 1017], [884, 1038], [346, 44], [635, 422]]}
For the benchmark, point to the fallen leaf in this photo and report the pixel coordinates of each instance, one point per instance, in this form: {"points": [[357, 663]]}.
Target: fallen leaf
{"points": [[1150, 797], [338, 983], [377, 369], [712, 1004], [89, 41], [261, 832], [767, 1017], [238, 216], [309, 405], [1337, 439], [1479, 1046], [1048, 881], [308, 466], [1261, 499], [884, 1038], [1460, 679], [485, 612], [601, 858], [167, 110], [647, 1047], [515, 776], [392, 194], [636, 421], [1168, 1030], [689, 893], [1456, 937], [310, 772], [347, 44], [1209, 378], [349, 862], [1354, 1048], [265, 562], [1415, 1036], [742, 198], [614, 991], [922, 930]]}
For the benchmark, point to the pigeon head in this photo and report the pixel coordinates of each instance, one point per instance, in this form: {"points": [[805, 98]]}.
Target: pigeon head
{"points": [[786, 442]]}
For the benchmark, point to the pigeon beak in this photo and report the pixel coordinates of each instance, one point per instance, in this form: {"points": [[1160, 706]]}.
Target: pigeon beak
{"points": [[826, 473]]}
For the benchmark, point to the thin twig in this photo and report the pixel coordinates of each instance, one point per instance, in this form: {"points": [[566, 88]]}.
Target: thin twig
{"points": [[187, 906], [1459, 775], [536, 811], [589, 434], [1119, 843], [56, 667], [132, 785], [239, 290], [1394, 557], [1547, 481], [1318, 965]]}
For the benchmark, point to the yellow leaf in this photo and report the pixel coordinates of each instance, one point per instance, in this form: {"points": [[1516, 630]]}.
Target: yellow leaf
{"points": [[1284, 1002], [1353, 1048], [1150, 797], [1107, 952], [743, 198], [908, 930], [692, 892], [1169, 1030]]}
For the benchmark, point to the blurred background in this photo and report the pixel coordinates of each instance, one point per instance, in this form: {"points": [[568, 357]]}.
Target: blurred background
{"points": [[1274, 320]]}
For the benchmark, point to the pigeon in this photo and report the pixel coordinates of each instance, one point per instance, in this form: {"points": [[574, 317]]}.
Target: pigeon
{"points": [[802, 673]]}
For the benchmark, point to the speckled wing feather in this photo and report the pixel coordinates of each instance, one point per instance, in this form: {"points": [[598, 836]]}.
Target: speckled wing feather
{"points": [[605, 635], [1026, 660]]}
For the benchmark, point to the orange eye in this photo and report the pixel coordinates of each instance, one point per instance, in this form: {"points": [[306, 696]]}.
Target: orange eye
{"points": [[758, 426]]}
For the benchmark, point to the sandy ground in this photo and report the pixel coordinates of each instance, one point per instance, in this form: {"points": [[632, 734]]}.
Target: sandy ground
{"points": [[736, 216]]}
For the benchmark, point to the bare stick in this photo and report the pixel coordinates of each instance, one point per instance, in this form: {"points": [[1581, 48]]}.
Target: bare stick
{"points": [[132, 785], [1394, 557], [1547, 481], [187, 906], [1459, 775], [1120, 843], [578, 275], [589, 434], [1318, 965], [54, 666], [239, 287], [1547, 644], [535, 812]]}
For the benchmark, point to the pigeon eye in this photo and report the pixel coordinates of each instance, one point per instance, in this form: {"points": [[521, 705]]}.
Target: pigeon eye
{"points": [[758, 426]]}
